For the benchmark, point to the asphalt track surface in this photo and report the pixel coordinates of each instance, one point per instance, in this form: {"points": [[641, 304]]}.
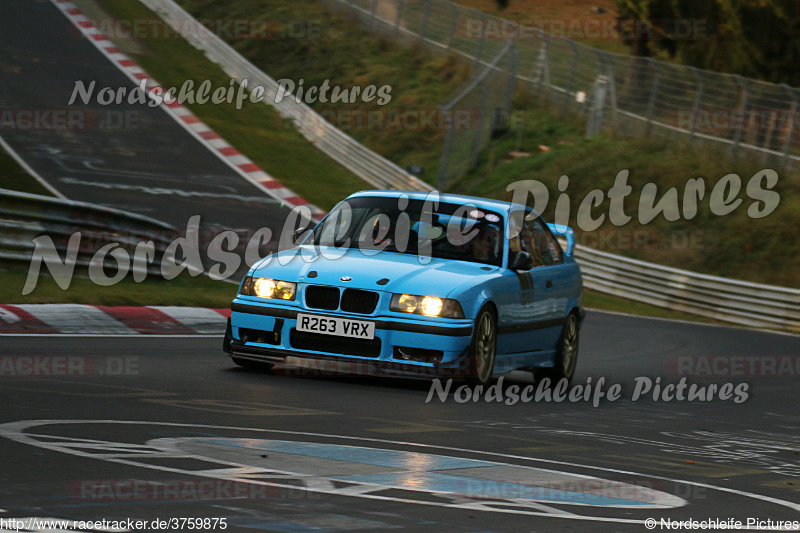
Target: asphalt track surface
{"points": [[131, 157], [135, 427], [163, 412]]}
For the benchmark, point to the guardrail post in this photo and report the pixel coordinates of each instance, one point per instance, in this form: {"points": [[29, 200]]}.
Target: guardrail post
{"points": [[512, 81], [479, 130], [767, 140], [479, 45], [787, 144], [425, 14], [651, 105], [737, 140], [448, 140], [372, 12], [595, 123], [612, 85], [453, 24], [400, 5], [701, 86], [542, 66], [570, 80]]}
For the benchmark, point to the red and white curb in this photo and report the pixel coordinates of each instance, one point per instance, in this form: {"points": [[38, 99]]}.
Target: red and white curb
{"points": [[183, 116], [79, 319]]}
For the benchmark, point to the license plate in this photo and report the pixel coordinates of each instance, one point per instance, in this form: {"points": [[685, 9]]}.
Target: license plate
{"points": [[341, 327]]}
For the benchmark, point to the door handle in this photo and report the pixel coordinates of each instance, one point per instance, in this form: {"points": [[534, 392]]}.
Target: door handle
{"points": [[549, 284]]}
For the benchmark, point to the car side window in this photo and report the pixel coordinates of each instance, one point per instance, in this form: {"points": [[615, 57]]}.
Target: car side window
{"points": [[528, 243], [547, 248], [525, 241]]}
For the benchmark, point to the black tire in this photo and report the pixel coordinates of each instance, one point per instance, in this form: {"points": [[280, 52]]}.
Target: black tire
{"points": [[253, 365], [483, 348], [566, 354]]}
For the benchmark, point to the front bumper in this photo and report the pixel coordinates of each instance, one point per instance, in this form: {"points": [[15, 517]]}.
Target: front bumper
{"points": [[401, 347]]}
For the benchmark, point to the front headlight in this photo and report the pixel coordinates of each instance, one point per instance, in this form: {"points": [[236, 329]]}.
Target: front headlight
{"points": [[426, 305], [269, 288]]}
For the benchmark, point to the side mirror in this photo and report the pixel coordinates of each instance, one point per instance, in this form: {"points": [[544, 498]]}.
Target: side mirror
{"points": [[520, 261], [299, 235]]}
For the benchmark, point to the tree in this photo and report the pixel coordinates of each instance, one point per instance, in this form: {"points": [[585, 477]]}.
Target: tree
{"points": [[650, 22], [755, 38]]}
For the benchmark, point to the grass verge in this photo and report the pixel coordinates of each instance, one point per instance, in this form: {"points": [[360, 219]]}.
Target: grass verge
{"points": [[16, 178], [734, 245], [201, 291], [184, 290], [345, 53], [423, 81], [607, 302]]}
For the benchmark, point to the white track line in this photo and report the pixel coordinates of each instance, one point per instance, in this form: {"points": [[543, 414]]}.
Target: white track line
{"points": [[21, 162], [239, 163], [693, 323]]}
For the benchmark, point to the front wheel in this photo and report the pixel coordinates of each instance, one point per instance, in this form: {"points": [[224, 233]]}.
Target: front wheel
{"points": [[566, 355], [483, 348]]}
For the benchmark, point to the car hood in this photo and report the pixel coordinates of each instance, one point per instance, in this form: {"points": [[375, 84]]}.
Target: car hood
{"points": [[405, 272]]}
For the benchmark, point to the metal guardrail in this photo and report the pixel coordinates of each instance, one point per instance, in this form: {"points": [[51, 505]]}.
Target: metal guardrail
{"points": [[680, 290], [729, 300], [24, 217], [361, 161]]}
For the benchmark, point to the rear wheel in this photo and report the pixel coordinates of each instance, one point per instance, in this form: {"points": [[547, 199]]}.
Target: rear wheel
{"points": [[566, 355], [483, 349], [253, 365]]}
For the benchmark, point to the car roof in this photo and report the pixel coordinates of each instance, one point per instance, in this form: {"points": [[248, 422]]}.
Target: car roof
{"points": [[487, 203]]}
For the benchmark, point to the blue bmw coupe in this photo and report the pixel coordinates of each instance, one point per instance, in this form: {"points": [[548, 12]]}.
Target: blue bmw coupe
{"points": [[417, 285]]}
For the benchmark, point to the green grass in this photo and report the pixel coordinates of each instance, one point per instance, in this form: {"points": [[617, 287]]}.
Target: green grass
{"points": [[16, 178], [201, 291], [184, 290], [762, 250], [607, 302], [346, 54]]}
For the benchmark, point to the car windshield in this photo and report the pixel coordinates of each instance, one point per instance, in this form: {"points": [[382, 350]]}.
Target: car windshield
{"points": [[399, 225]]}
